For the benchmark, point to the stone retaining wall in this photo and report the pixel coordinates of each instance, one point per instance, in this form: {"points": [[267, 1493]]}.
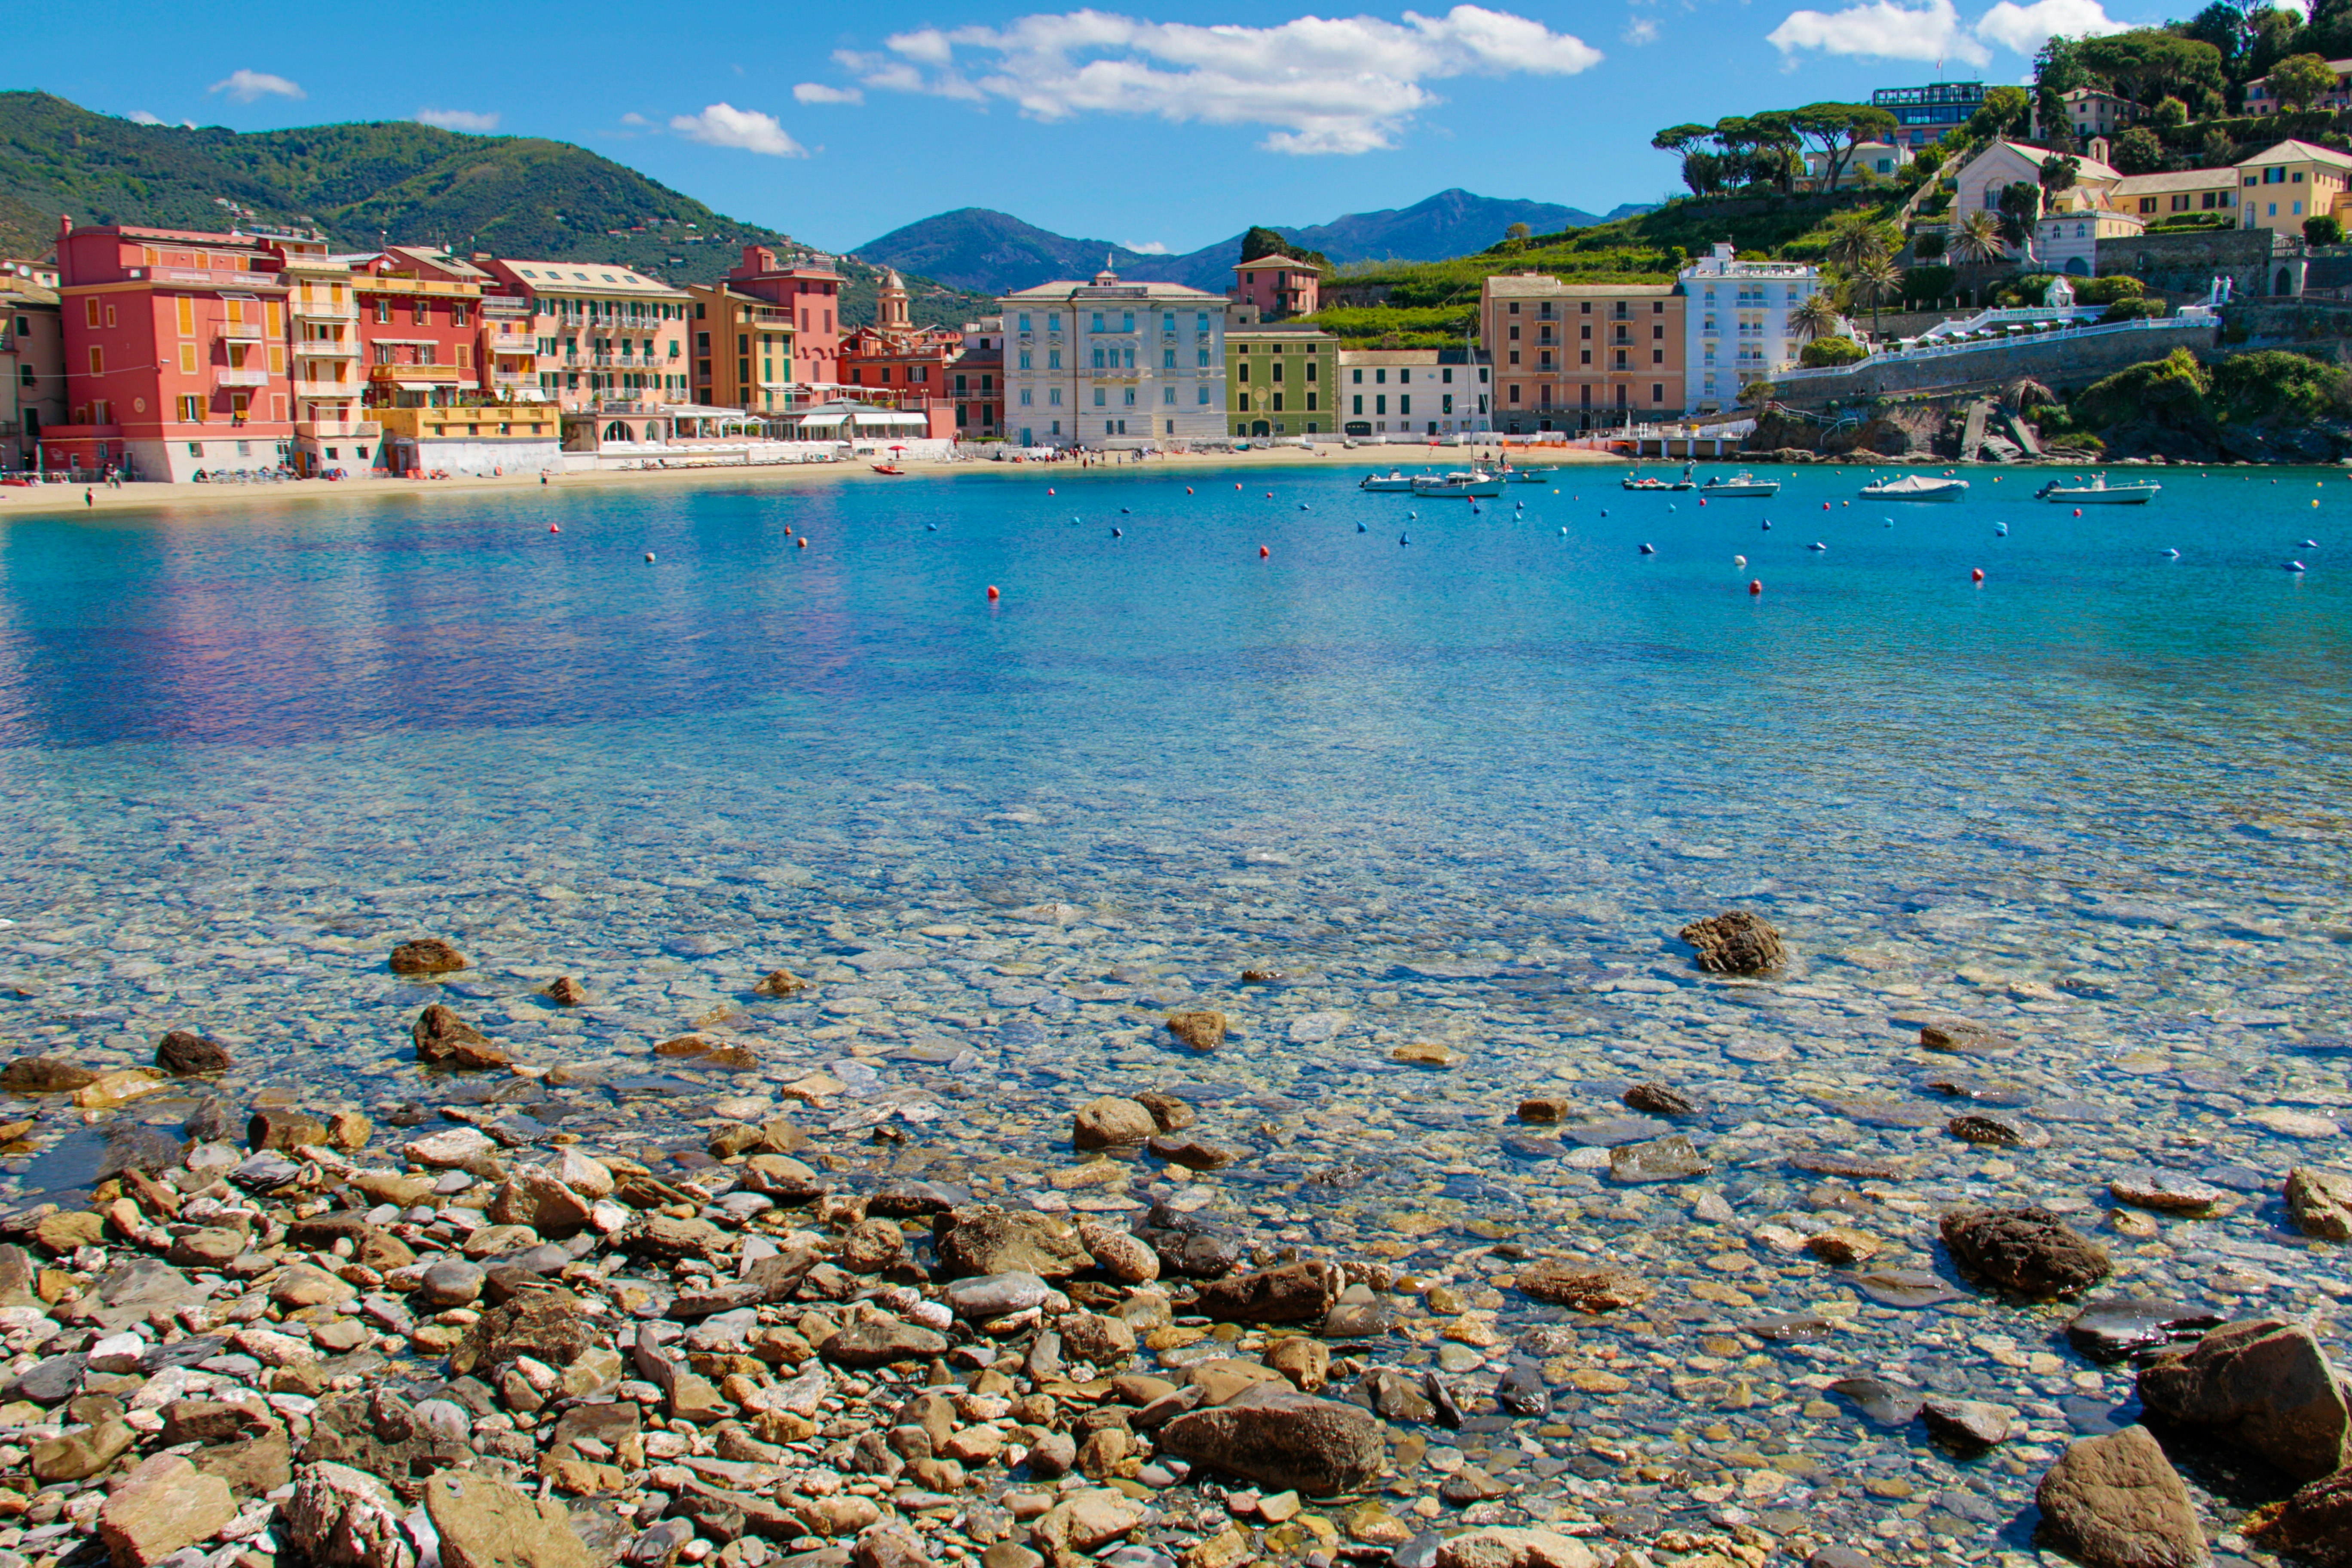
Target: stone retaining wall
{"points": [[2059, 362]]}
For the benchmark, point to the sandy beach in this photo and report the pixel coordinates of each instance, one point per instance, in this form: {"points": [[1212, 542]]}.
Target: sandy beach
{"points": [[49, 499]]}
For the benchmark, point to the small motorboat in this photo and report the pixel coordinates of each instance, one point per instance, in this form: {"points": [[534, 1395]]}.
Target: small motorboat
{"points": [[1636, 481], [1742, 483], [1915, 487], [1470, 484], [1396, 481], [2098, 492], [888, 468], [1530, 475]]}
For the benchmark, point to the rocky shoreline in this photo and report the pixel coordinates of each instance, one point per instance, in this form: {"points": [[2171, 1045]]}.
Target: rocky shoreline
{"points": [[390, 1337]]}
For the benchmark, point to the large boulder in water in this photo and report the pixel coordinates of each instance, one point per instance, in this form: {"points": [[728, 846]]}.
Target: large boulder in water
{"points": [[2262, 1385], [1284, 1440], [2117, 1502]]}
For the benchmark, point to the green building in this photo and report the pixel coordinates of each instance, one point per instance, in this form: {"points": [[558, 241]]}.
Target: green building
{"points": [[1280, 380]]}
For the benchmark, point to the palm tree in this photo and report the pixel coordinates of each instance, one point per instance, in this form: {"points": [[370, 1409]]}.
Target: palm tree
{"points": [[1873, 283], [1816, 316], [1859, 236], [1977, 239]]}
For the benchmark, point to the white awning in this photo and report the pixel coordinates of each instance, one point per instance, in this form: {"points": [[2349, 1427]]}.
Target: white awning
{"points": [[822, 421]]}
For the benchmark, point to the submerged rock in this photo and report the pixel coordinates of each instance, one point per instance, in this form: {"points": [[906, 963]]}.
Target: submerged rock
{"points": [[2029, 1251], [1735, 942], [2321, 1202], [1282, 1438], [426, 955]]}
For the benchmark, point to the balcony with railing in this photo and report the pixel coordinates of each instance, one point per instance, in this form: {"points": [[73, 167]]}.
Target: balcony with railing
{"points": [[334, 429], [325, 389], [326, 348], [318, 308], [240, 375], [522, 343], [244, 331]]}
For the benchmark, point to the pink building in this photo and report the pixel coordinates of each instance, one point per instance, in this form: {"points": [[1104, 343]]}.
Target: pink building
{"points": [[1278, 286], [811, 295], [175, 350]]}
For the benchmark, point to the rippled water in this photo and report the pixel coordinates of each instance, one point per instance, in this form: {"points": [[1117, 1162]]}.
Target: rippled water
{"points": [[1461, 790]]}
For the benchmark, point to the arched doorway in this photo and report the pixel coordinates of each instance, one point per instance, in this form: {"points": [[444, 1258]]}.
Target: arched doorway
{"points": [[2284, 287], [618, 430], [2079, 268], [1261, 428]]}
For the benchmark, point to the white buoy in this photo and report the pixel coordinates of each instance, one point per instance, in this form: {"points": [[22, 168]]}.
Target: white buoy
{"points": [[2295, 567], [1817, 545], [2002, 530], [650, 557], [1740, 561], [2172, 556]]}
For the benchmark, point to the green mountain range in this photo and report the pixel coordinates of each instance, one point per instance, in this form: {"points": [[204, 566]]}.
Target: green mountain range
{"points": [[386, 181]]}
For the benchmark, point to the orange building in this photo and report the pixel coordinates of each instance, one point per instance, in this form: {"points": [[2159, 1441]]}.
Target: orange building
{"points": [[175, 350], [905, 364], [1569, 356]]}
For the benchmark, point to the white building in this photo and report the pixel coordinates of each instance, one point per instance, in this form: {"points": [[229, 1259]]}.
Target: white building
{"points": [[1736, 324], [1109, 363]]}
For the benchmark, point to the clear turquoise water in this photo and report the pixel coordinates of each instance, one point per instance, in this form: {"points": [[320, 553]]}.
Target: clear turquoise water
{"points": [[1465, 788]]}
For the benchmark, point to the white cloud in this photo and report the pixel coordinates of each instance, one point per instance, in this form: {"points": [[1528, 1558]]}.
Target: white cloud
{"points": [[633, 118], [1641, 30], [142, 117], [817, 92], [246, 86], [457, 119], [1884, 29], [1336, 85], [1146, 247], [724, 125], [2026, 27]]}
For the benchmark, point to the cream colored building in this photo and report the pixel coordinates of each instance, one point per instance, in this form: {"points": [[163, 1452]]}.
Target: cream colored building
{"points": [[2155, 197], [1105, 363], [1739, 332]]}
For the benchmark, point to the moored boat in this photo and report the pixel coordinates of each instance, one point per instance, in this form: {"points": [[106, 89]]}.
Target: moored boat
{"points": [[1742, 484], [1916, 486], [2098, 492], [1468, 485], [1396, 481]]}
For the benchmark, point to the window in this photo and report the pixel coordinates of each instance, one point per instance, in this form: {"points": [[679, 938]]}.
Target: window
{"points": [[1168, 359], [1026, 400], [1448, 404], [192, 410], [1277, 403], [1130, 398], [1205, 359], [1381, 376], [1024, 322], [1098, 359], [1379, 404], [1242, 402], [1586, 331], [1053, 396], [1204, 395], [187, 360], [1053, 321], [1098, 320], [1127, 319], [1658, 334], [1360, 381], [1445, 376], [89, 311], [1311, 369], [1024, 359], [96, 362], [1052, 359], [1102, 396], [1311, 403], [1359, 402], [1404, 405], [187, 317], [1657, 356], [1277, 370], [1515, 332], [384, 312], [1168, 396]]}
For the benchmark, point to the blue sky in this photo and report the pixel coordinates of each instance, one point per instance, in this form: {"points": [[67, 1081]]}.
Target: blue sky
{"points": [[1167, 123]]}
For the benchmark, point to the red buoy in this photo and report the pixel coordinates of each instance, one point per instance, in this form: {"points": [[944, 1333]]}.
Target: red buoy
{"points": [[1755, 587], [992, 594], [1976, 576], [1049, 490], [553, 529], [2078, 510], [1825, 506], [1263, 553], [1702, 500], [804, 541], [1237, 487], [1188, 489]]}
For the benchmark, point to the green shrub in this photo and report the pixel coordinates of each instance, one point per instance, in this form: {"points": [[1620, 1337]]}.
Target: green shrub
{"points": [[2024, 292], [1928, 246], [2133, 311], [2322, 230], [2168, 391], [2109, 290], [2274, 383], [1835, 351]]}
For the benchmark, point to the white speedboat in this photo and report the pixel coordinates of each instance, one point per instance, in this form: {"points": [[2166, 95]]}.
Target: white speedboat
{"points": [[1915, 487], [1396, 481], [1469, 485], [1635, 481], [1530, 475], [2098, 492], [1742, 483]]}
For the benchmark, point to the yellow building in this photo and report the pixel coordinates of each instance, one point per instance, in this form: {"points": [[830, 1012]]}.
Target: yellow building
{"points": [[2283, 186], [742, 350]]}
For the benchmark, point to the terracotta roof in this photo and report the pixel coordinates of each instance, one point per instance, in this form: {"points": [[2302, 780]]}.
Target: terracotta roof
{"points": [[1525, 286], [2183, 180]]}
